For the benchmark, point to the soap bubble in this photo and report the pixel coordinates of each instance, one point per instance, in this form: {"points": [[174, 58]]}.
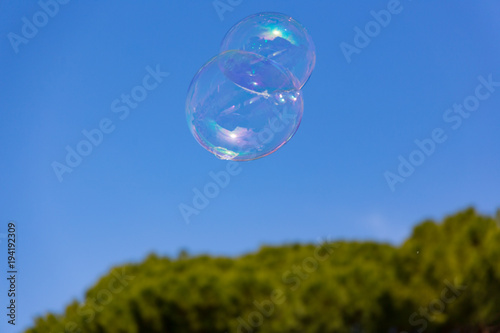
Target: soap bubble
{"points": [[246, 102], [277, 37], [242, 106]]}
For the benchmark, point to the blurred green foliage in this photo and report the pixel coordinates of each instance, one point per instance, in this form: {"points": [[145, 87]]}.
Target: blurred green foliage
{"points": [[444, 278]]}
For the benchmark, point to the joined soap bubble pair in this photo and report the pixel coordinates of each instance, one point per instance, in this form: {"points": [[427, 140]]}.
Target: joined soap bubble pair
{"points": [[246, 102]]}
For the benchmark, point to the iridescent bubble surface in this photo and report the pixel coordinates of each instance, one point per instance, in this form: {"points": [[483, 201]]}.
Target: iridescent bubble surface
{"points": [[242, 106], [277, 37], [246, 102]]}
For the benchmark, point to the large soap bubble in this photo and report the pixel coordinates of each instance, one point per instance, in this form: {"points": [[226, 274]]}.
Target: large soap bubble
{"points": [[277, 37], [246, 102], [242, 106]]}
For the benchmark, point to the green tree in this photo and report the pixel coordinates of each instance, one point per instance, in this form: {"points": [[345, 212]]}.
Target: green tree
{"points": [[339, 287]]}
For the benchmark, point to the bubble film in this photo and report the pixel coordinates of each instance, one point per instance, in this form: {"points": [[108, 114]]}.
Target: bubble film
{"points": [[241, 106], [277, 37], [246, 102]]}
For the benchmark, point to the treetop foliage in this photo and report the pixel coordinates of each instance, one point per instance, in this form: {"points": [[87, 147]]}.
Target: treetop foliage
{"points": [[444, 278]]}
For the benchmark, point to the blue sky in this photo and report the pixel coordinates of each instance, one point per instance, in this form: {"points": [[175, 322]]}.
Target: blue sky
{"points": [[122, 201]]}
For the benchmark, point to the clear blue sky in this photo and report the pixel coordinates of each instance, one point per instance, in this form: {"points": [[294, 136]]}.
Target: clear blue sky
{"points": [[122, 201]]}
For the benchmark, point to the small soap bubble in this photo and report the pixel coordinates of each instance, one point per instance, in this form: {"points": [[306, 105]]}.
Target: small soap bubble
{"points": [[277, 37]]}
